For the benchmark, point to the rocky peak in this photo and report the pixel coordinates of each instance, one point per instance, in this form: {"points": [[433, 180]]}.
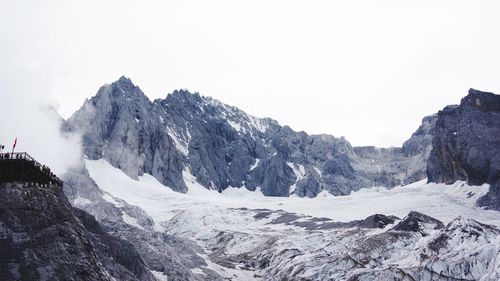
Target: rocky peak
{"points": [[121, 94], [184, 95], [484, 101], [124, 88], [125, 81]]}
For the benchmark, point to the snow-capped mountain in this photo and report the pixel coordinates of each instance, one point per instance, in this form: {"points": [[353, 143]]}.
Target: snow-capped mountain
{"points": [[205, 191], [222, 146]]}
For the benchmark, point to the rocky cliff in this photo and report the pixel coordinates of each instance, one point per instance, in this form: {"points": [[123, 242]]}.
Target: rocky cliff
{"points": [[187, 135], [466, 145], [43, 238]]}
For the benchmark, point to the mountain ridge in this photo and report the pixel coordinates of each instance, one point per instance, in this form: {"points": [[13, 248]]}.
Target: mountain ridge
{"points": [[222, 146]]}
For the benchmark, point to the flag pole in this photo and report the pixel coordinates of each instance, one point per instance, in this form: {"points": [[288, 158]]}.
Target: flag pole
{"points": [[13, 147]]}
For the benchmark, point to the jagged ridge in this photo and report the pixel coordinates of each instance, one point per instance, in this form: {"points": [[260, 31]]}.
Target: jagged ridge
{"points": [[222, 146]]}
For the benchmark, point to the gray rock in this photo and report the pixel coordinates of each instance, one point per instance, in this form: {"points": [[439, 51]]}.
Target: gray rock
{"points": [[118, 125], [466, 145], [42, 239], [114, 251]]}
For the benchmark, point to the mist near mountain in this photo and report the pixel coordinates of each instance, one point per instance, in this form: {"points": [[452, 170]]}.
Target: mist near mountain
{"points": [[28, 112], [327, 60]]}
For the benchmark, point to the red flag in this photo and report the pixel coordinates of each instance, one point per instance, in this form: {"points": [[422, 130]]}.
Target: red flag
{"points": [[15, 142]]}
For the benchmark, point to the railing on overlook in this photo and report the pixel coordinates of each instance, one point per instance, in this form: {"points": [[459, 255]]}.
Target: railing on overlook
{"points": [[21, 167]]}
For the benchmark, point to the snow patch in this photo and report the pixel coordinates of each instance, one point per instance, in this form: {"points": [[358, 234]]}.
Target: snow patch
{"points": [[159, 275], [197, 271], [257, 161], [235, 125], [299, 172], [257, 123], [111, 200], [130, 220], [194, 187], [181, 146], [318, 171], [80, 201]]}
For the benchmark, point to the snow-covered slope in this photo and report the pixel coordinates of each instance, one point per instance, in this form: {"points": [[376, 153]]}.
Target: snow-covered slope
{"points": [[444, 202], [245, 235]]}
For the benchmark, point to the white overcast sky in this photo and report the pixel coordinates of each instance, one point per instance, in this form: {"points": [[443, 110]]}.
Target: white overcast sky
{"points": [[366, 70]]}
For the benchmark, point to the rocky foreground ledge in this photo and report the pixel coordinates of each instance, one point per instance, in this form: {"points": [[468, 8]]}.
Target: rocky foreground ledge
{"points": [[43, 238]]}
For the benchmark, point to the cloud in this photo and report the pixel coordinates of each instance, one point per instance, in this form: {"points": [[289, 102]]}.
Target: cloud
{"points": [[352, 68], [27, 114], [27, 74]]}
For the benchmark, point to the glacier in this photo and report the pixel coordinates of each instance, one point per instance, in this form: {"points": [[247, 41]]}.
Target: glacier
{"points": [[244, 235]]}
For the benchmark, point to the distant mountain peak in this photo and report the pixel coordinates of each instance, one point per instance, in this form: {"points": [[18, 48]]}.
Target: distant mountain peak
{"points": [[183, 95], [223, 146], [124, 80], [123, 88]]}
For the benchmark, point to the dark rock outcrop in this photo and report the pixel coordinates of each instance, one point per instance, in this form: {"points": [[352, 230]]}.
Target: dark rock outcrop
{"points": [[466, 145], [115, 252], [418, 222], [42, 239], [377, 221]]}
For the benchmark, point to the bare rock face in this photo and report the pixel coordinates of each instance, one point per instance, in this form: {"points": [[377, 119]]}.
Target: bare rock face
{"points": [[119, 125], [119, 256], [42, 239], [222, 146], [466, 145]]}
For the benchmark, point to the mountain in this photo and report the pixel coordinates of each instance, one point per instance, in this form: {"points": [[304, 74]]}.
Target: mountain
{"points": [[176, 178], [186, 135], [466, 145], [43, 238]]}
